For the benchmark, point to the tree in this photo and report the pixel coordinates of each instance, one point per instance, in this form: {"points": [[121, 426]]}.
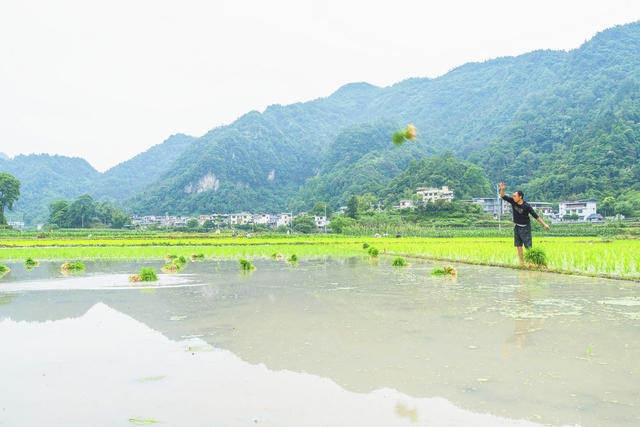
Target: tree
{"points": [[82, 211], [304, 224], [9, 193], [192, 224], [208, 225], [623, 208], [352, 207], [339, 222], [319, 209], [119, 219], [59, 213], [607, 206]]}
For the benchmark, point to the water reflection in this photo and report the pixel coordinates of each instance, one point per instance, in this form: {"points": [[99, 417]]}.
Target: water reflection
{"points": [[571, 342]]}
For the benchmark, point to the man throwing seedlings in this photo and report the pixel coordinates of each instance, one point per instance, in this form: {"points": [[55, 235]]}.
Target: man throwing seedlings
{"points": [[522, 229]]}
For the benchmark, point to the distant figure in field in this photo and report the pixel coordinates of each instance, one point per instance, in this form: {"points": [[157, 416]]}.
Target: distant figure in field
{"points": [[521, 212]]}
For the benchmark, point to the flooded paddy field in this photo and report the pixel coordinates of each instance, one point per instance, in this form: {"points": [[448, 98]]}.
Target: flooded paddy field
{"points": [[339, 342]]}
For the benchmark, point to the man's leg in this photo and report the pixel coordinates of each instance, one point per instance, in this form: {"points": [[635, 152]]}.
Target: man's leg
{"points": [[520, 255]]}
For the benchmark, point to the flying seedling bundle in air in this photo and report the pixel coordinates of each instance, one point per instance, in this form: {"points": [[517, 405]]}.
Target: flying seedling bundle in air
{"points": [[401, 136]]}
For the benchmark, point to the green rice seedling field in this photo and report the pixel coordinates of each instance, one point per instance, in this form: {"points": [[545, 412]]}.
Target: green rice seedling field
{"points": [[575, 255]]}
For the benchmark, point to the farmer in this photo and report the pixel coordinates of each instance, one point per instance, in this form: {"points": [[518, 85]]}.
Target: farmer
{"points": [[521, 211]]}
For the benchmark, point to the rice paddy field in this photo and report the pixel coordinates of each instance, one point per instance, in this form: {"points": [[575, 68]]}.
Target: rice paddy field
{"points": [[592, 256]]}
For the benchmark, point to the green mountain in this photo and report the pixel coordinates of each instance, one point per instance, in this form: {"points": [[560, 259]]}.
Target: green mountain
{"points": [[581, 136], [45, 178], [261, 161], [556, 124]]}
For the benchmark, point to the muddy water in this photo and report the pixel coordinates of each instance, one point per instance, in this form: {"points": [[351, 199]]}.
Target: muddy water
{"points": [[337, 342]]}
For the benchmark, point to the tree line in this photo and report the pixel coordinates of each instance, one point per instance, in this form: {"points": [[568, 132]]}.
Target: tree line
{"points": [[84, 212]]}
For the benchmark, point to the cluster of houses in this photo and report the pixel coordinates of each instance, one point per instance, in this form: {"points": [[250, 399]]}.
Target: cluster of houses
{"points": [[583, 210], [220, 220]]}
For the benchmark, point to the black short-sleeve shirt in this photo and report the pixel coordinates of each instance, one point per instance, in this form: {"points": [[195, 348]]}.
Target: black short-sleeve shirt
{"points": [[521, 212]]}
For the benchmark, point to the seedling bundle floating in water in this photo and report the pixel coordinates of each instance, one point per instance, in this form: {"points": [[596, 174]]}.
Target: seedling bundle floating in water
{"points": [[399, 262], [401, 136], [446, 271], [147, 274], [75, 267], [246, 265], [30, 262]]}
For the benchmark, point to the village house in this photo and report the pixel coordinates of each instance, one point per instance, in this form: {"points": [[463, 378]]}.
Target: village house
{"points": [[433, 194], [240, 219], [321, 221], [582, 208], [404, 204]]}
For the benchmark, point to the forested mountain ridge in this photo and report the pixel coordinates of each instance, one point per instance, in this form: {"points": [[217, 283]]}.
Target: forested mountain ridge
{"points": [[45, 178], [556, 124], [580, 137], [260, 161]]}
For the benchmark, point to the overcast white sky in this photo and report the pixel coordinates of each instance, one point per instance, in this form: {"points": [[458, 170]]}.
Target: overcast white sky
{"points": [[105, 80]]}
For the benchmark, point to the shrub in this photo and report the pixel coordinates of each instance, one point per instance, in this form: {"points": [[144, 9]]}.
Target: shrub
{"points": [[246, 265], [536, 256], [399, 262]]}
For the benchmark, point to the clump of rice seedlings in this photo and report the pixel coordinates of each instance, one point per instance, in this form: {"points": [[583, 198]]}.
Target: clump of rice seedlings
{"points": [[399, 262], [181, 261], [170, 257], [277, 255], [293, 258], [170, 268], [69, 267], [446, 271], [4, 270], [197, 257], [374, 252], [147, 274], [246, 265], [365, 245], [30, 262], [536, 256], [401, 136]]}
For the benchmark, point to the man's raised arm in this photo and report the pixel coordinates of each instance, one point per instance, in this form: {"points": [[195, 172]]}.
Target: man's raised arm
{"points": [[501, 189]]}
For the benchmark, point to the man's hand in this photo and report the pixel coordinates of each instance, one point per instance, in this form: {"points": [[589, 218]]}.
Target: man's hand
{"points": [[547, 227], [501, 186]]}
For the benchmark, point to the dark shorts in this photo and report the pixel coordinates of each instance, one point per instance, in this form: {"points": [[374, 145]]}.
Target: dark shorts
{"points": [[522, 236]]}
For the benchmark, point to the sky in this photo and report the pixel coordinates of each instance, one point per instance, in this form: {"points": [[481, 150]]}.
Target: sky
{"points": [[106, 80]]}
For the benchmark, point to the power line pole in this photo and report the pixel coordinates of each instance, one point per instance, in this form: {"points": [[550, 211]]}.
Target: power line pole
{"points": [[499, 207]]}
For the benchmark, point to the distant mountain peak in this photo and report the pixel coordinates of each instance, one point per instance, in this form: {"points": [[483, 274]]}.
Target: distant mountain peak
{"points": [[3, 156]]}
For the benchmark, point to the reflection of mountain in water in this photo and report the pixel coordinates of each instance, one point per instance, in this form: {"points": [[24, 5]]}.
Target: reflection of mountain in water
{"points": [[197, 387], [367, 328]]}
